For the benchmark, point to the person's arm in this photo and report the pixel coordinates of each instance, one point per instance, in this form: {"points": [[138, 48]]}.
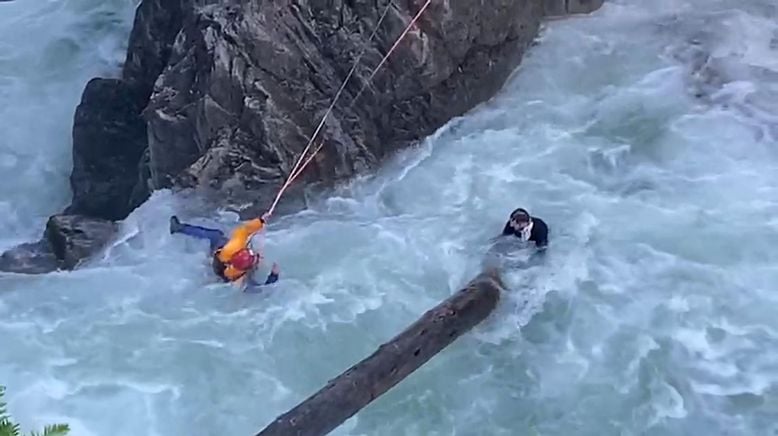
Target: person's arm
{"points": [[541, 242], [275, 271], [240, 238], [253, 286], [246, 230]]}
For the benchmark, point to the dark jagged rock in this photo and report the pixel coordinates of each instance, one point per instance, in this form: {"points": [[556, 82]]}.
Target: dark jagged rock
{"points": [[263, 74], [109, 135], [142, 189], [108, 141], [157, 22], [74, 238], [67, 241]]}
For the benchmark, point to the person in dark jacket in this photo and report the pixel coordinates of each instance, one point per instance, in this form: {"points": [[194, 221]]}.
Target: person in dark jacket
{"points": [[527, 228]]}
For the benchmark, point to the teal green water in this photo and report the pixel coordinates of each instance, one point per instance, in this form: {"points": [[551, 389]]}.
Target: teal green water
{"points": [[646, 136]]}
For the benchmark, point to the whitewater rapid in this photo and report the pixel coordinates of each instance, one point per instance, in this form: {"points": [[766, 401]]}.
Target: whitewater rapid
{"points": [[646, 136], [48, 51]]}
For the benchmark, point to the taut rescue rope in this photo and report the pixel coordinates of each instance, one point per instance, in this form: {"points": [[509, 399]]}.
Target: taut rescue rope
{"points": [[298, 169]]}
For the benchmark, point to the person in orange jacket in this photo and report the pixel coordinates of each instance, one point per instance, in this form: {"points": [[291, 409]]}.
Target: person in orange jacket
{"points": [[232, 258]]}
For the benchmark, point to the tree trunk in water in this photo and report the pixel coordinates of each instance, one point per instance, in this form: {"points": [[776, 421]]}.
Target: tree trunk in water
{"points": [[355, 388]]}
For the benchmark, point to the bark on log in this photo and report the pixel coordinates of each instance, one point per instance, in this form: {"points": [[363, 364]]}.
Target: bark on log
{"points": [[354, 389]]}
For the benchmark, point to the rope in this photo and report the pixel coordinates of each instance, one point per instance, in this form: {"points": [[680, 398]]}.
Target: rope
{"points": [[307, 161], [294, 172], [293, 176], [396, 43], [298, 169]]}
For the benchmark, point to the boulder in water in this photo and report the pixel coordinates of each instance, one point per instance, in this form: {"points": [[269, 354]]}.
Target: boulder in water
{"points": [[68, 240], [74, 238]]}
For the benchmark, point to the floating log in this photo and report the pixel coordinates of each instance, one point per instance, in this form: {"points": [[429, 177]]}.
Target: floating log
{"points": [[355, 388]]}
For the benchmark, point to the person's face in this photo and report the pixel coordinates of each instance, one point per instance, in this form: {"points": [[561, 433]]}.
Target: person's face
{"points": [[517, 224]]}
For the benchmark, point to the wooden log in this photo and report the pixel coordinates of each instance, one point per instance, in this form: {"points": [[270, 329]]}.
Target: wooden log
{"points": [[355, 388]]}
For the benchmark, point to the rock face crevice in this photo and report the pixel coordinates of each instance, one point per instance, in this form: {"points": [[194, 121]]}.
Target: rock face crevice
{"points": [[109, 134], [247, 85], [222, 95]]}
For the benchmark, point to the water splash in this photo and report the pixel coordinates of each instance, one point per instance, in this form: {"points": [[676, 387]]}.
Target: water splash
{"points": [[643, 135]]}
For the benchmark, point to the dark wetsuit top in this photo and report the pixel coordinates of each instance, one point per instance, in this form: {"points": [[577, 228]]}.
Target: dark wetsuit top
{"points": [[538, 235]]}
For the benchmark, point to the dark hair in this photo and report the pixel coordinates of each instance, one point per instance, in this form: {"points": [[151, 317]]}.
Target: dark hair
{"points": [[520, 214], [218, 266]]}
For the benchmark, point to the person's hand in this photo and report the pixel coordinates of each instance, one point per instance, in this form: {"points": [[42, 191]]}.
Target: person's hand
{"points": [[275, 269], [265, 216]]}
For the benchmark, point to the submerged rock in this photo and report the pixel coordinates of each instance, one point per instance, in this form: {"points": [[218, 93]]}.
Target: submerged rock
{"points": [[29, 258]]}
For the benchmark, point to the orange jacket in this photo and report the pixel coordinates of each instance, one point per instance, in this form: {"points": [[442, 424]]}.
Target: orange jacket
{"points": [[238, 241]]}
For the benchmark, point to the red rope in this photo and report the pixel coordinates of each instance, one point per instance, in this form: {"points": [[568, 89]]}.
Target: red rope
{"points": [[297, 170]]}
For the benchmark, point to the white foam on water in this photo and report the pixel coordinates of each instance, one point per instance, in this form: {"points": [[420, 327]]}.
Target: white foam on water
{"points": [[48, 51], [644, 135]]}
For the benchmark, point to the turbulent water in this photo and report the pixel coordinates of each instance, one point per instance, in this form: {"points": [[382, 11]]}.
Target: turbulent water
{"points": [[48, 50], [646, 136]]}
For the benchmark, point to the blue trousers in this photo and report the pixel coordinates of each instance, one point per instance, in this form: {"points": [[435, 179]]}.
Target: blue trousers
{"points": [[214, 236]]}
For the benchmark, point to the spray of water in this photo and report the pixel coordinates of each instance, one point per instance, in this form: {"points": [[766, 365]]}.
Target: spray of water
{"points": [[646, 136]]}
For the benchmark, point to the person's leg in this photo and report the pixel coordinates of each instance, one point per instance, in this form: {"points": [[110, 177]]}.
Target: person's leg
{"points": [[214, 236]]}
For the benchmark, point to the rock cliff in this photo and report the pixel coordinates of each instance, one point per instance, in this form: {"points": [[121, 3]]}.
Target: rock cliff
{"points": [[223, 95]]}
